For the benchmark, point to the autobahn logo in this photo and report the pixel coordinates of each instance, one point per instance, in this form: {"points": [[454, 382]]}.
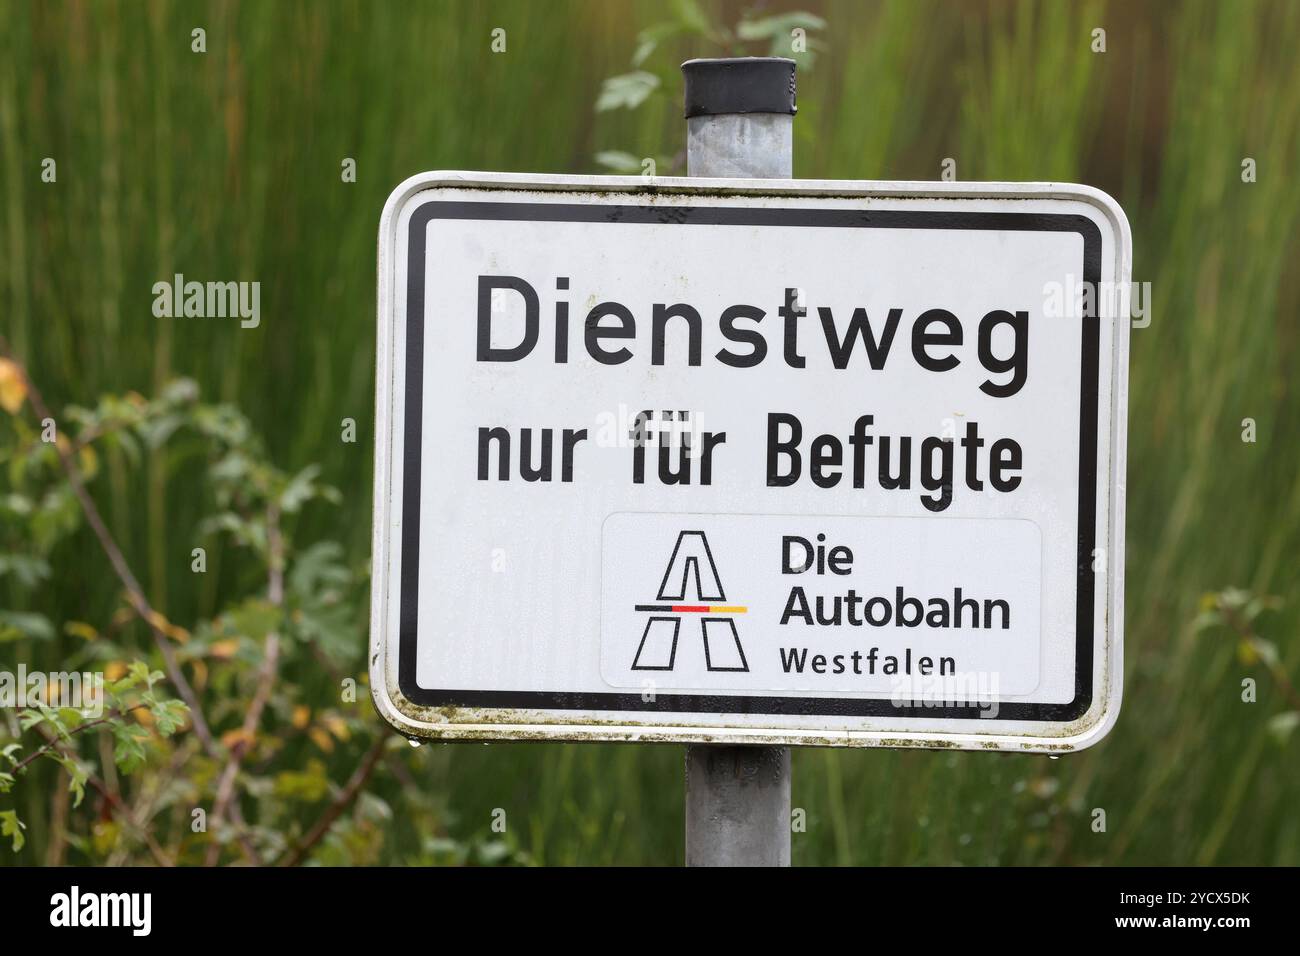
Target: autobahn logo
{"points": [[691, 569]]}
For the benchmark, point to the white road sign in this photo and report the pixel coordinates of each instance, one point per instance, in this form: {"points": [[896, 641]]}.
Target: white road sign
{"points": [[800, 462]]}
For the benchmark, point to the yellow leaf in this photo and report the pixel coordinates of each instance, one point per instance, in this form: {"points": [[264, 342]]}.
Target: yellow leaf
{"points": [[301, 714], [160, 623], [88, 461], [232, 738], [321, 739], [143, 717], [114, 670], [13, 387], [82, 630], [103, 836], [337, 726], [224, 650]]}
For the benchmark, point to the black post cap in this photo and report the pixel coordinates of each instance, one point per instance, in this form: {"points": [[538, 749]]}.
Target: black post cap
{"points": [[745, 84]]}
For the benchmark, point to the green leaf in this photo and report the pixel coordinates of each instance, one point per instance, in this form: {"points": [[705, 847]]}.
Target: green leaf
{"points": [[18, 625], [169, 715], [11, 826], [20, 506], [245, 532], [319, 596], [303, 488], [128, 748], [77, 776], [648, 40], [126, 443], [692, 18], [779, 26], [318, 567], [57, 515], [39, 714], [28, 570], [308, 785], [778, 32], [179, 391], [255, 618], [120, 686], [1266, 651], [619, 161], [231, 469], [1208, 619], [223, 423], [1258, 605], [156, 431], [627, 90], [139, 671], [1234, 597], [1281, 726]]}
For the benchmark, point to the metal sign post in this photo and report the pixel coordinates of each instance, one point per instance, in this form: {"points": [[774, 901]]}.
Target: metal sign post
{"points": [[739, 123]]}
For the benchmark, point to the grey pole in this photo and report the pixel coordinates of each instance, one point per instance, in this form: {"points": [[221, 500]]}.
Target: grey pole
{"points": [[739, 119]]}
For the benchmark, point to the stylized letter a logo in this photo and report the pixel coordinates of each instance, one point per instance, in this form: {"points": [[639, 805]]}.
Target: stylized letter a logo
{"points": [[691, 576]]}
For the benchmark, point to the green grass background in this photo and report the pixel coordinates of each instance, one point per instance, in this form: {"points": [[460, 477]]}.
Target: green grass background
{"points": [[226, 165]]}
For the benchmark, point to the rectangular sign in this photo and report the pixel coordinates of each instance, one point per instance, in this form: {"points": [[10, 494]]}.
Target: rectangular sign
{"points": [[803, 462]]}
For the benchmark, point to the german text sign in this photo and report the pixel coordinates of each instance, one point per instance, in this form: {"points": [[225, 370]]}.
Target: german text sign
{"points": [[801, 462]]}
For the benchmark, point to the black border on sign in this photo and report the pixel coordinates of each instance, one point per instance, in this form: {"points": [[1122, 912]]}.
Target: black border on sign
{"points": [[743, 216]]}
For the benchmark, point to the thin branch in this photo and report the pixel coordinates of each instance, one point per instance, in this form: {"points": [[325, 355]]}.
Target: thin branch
{"points": [[135, 594], [146, 808], [58, 827], [106, 760], [54, 742], [265, 680], [340, 803], [155, 849], [76, 730]]}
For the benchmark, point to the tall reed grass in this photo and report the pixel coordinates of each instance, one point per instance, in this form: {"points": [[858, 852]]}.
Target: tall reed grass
{"points": [[226, 165]]}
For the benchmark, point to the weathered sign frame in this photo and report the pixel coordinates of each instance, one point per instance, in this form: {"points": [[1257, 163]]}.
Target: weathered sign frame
{"points": [[497, 715]]}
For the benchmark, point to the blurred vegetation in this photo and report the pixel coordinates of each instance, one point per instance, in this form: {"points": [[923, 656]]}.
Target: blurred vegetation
{"points": [[226, 164]]}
